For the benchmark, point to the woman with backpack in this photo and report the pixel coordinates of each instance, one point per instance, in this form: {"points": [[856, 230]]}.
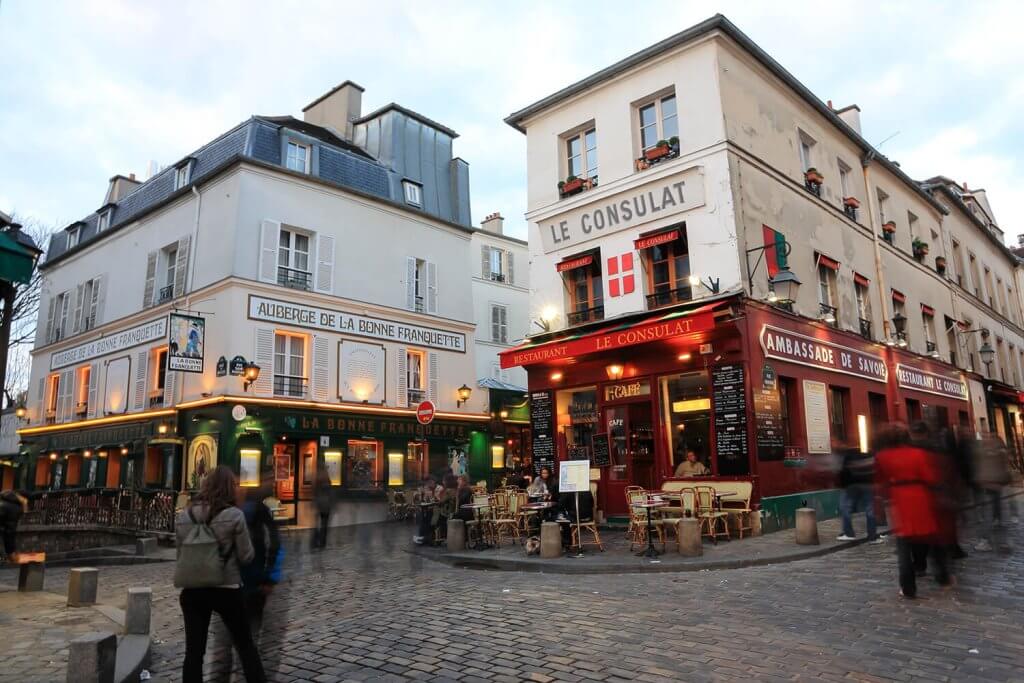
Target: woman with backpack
{"points": [[213, 544]]}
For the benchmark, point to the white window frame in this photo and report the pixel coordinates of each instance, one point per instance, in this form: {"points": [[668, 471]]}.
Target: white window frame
{"points": [[74, 236], [826, 285], [413, 192], [52, 395], [928, 321], [659, 119], [88, 292], [287, 357], [182, 175], [499, 328], [420, 286], [862, 296], [61, 304], [844, 178], [83, 375], [170, 264], [417, 391], [497, 257], [103, 220], [806, 149], [882, 199], [292, 234], [584, 154], [289, 157]]}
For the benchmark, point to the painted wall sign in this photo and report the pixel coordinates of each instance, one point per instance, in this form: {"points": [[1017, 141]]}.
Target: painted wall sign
{"points": [[617, 392], [314, 317], [118, 341], [819, 433], [655, 240], [640, 334], [819, 353], [930, 382], [186, 343], [574, 263], [371, 427], [361, 374], [682, 192]]}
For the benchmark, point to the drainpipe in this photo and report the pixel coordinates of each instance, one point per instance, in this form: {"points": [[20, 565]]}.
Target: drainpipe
{"points": [[875, 231]]}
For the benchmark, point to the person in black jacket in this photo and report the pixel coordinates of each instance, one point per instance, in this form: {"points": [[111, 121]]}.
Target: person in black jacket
{"points": [[12, 506], [856, 478], [567, 509]]}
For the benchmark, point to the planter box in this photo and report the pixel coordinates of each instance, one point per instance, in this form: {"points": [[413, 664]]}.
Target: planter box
{"points": [[657, 152], [889, 228], [814, 177], [851, 202], [572, 187]]}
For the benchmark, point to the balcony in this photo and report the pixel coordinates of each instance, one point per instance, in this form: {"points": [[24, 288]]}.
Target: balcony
{"points": [[290, 386], [828, 315], [669, 297], [497, 277], [416, 396], [865, 328], [931, 347], [165, 294], [156, 398], [586, 315], [294, 279]]}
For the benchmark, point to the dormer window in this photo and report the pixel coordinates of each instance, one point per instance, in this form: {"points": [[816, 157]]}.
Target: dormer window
{"points": [[74, 233], [182, 175], [413, 193], [103, 221], [297, 157]]}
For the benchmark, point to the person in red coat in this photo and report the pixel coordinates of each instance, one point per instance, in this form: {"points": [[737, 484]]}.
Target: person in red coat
{"points": [[908, 474]]}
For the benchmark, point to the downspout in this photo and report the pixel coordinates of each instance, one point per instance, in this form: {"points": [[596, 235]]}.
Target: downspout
{"points": [[875, 230], [179, 388]]}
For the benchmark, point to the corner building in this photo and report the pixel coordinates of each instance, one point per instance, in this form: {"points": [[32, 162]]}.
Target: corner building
{"points": [[725, 265]]}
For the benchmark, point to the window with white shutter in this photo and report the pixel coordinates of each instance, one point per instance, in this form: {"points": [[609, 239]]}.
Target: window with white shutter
{"points": [[83, 384], [402, 378], [289, 365], [415, 376], [510, 278], [433, 375], [264, 357], [485, 262], [92, 396], [325, 263], [181, 265], [141, 366], [499, 324], [64, 401], [431, 287], [50, 311], [171, 379], [268, 250], [76, 317], [149, 290], [411, 272], [52, 401], [321, 369]]}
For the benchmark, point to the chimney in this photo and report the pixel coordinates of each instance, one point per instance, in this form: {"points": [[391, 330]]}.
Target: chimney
{"points": [[850, 115], [493, 223], [336, 109], [120, 186]]}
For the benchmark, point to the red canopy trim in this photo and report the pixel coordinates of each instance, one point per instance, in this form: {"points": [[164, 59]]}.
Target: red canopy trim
{"points": [[927, 310], [827, 262], [663, 237], [899, 296], [861, 280]]}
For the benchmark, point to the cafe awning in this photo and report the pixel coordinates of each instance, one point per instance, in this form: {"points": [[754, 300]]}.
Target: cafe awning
{"points": [[627, 333], [574, 262], [656, 238]]}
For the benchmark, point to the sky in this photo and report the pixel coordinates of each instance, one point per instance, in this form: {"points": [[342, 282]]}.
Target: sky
{"points": [[92, 89]]}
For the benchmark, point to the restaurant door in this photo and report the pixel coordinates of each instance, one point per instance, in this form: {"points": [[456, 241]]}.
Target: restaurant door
{"points": [[631, 452]]}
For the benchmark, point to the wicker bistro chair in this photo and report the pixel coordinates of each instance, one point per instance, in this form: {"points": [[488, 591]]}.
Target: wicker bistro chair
{"points": [[638, 522], [633, 492], [482, 519], [709, 514], [588, 525], [503, 517], [523, 517], [738, 508]]}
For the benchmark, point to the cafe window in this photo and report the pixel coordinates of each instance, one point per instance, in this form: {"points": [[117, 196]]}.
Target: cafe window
{"points": [[686, 405], [787, 410], [668, 267], [82, 394], [363, 469], [586, 296], [577, 419], [839, 407], [289, 365], [415, 373]]}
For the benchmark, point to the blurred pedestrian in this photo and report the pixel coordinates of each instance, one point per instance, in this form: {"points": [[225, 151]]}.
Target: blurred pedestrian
{"points": [[991, 474], [213, 543], [323, 497], [856, 481], [428, 516], [907, 474], [12, 507]]}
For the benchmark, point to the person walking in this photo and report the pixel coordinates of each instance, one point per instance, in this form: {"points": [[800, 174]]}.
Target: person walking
{"points": [[12, 507], [907, 474], [991, 474], [324, 498], [856, 479], [213, 545]]}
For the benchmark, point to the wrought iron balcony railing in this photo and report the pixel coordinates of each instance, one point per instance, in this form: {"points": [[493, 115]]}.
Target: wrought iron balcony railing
{"points": [[295, 279], [586, 315], [669, 297], [289, 386]]}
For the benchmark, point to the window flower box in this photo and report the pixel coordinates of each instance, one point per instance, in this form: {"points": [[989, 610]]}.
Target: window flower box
{"points": [[940, 265], [889, 227], [851, 202], [920, 248], [811, 175], [662, 149], [570, 186]]}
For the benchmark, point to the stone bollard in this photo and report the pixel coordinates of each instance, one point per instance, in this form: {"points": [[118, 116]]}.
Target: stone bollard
{"points": [[806, 526], [82, 585], [30, 577], [755, 523], [137, 611], [92, 658], [550, 540], [145, 546], [688, 537], [456, 535]]}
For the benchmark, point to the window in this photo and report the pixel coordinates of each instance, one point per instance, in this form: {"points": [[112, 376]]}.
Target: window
{"points": [[413, 193], [668, 272], [89, 305], [928, 318], [581, 153], [899, 308], [844, 179], [958, 263], [975, 278], [181, 176], [951, 338], [586, 297], [1009, 304], [52, 397], [494, 259], [658, 121], [297, 157], [103, 221], [806, 150], [838, 405], [82, 397], [826, 297], [499, 324], [1002, 295], [289, 365], [170, 256], [787, 399], [73, 237], [293, 260], [420, 285], [161, 369], [883, 205], [415, 375], [59, 317], [989, 289], [860, 289]]}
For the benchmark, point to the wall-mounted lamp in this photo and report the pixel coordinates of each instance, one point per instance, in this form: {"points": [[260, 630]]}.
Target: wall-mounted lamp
{"points": [[782, 288], [556, 376], [162, 428], [615, 371], [503, 414], [250, 373], [87, 453], [988, 354], [53, 456], [21, 413], [124, 450], [464, 394], [548, 315], [102, 454]]}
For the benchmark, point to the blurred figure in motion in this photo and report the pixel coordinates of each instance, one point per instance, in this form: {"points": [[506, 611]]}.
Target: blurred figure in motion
{"points": [[323, 497], [12, 507], [991, 474], [428, 515], [907, 474], [856, 479]]}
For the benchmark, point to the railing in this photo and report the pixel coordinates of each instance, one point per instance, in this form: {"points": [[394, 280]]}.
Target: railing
{"points": [[586, 315], [930, 346], [670, 296], [813, 187], [81, 408], [295, 279], [497, 277], [850, 211], [865, 328], [165, 294], [419, 304], [139, 510], [825, 312], [416, 396], [292, 387], [156, 398]]}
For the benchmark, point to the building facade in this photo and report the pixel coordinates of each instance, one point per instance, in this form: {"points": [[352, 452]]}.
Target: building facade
{"points": [[280, 301], [726, 266]]}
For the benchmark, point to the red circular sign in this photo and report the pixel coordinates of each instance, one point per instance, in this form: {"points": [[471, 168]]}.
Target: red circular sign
{"points": [[425, 412]]}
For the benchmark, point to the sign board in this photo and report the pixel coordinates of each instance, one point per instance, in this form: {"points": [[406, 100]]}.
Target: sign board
{"points": [[316, 318], [186, 343], [574, 476], [425, 412], [222, 366], [729, 400], [601, 450], [930, 383], [819, 435], [542, 426], [238, 412], [237, 366], [819, 353], [768, 417], [118, 341], [623, 390], [325, 442]]}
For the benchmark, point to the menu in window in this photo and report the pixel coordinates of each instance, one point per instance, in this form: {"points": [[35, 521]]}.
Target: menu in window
{"points": [[602, 454], [543, 427], [730, 408], [768, 417], [819, 436]]}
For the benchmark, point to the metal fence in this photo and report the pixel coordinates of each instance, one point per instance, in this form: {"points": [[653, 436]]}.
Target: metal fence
{"points": [[133, 510]]}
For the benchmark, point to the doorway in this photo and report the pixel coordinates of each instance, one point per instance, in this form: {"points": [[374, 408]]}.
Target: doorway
{"points": [[631, 452]]}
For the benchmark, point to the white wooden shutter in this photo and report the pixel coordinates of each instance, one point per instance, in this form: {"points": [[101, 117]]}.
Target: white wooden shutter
{"points": [[51, 310], [41, 414], [432, 376], [509, 268], [149, 290], [141, 395], [62, 323], [431, 287], [76, 321], [181, 266], [402, 384], [325, 263], [269, 235], [410, 283], [485, 262], [321, 368], [94, 383], [99, 294], [264, 353], [65, 406]]}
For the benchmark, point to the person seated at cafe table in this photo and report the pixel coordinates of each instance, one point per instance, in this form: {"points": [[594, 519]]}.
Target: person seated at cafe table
{"points": [[692, 466], [567, 511], [464, 496], [544, 486]]}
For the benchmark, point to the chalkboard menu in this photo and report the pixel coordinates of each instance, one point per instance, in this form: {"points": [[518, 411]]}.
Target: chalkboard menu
{"points": [[602, 455], [542, 425], [578, 452], [730, 406], [771, 443]]}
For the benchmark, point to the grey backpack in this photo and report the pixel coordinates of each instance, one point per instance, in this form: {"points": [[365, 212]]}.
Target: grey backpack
{"points": [[200, 563]]}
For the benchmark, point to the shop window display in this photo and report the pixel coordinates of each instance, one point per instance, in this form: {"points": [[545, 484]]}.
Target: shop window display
{"points": [[686, 402], [363, 471]]}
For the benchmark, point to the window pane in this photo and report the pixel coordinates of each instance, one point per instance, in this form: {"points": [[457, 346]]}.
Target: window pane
{"points": [[669, 125], [647, 115], [649, 136], [668, 107], [302, 242]]}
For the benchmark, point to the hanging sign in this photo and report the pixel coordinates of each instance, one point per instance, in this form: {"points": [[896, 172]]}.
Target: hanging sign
{"points": [[222, 366], [186, 343], [930, 382], [819, 353], [237, 366]]}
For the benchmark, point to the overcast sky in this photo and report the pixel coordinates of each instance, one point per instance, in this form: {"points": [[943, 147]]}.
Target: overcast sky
{"points": [[91, 89]]}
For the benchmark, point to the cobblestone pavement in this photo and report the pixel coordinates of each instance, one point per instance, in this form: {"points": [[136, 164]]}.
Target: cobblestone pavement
{"points": [[367, 610]]}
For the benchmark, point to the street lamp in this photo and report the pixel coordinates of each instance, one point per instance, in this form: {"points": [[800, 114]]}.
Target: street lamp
{"points": [[899, 326], [250, 374], [20, 412], [782, 288], [464, 394], [988, 355]]}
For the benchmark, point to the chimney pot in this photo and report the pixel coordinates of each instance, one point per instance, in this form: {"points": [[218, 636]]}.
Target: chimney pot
{"points": [[965, 186], [132, 176], [493, 223], [830, 105]]}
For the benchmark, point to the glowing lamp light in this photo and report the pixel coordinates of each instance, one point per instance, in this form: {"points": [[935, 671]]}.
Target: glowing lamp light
{"points": [[464, 394], [53, 456], [87, 453], [548, 314], [20, 412], [685, 356], [503, 415], [250, 373], [615, 371], [862, 432], [124, 451], [102, 454], [162, 429], [556, 376]]}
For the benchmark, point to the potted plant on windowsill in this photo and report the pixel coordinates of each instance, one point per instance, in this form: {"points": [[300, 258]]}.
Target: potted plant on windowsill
{"points": [[851, 202], [811, 175], [571, 185], [889, 228], [940, 265], [673, 143], [920, 248], [661, 149]]}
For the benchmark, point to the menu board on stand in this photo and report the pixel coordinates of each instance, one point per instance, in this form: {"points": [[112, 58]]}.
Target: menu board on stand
{"points": [[729, 401], [542, 426]]}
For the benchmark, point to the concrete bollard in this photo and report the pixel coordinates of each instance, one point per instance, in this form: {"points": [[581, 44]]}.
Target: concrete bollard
{"points": [[550, 540], [806, 526], [456, 535], [92, 658], [30, 577], [138, 610], [82, 585], [755, 523], [688, 537], [145, 546]]}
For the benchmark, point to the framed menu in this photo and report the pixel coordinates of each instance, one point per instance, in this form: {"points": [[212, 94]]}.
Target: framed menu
{"points": [[601, 452], [542, 426], [770, 440], [729, 402]]}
